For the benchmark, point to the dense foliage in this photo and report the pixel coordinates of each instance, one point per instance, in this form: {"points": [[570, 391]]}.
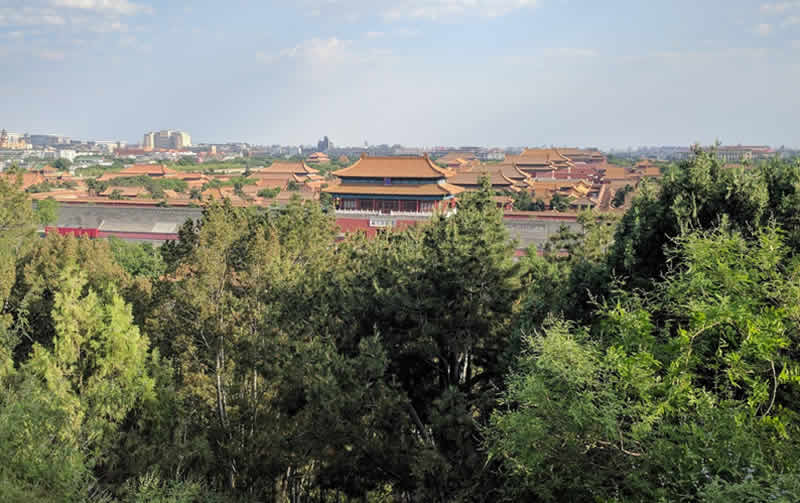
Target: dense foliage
{"points": [[649, 357], [620, 195], [524, 202], [49, 186]]}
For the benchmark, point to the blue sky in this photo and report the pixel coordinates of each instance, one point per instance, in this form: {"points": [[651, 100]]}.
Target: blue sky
{"points": [[608, 73]]}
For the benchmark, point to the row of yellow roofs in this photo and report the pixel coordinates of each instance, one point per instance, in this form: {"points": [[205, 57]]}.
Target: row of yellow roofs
{"points": [[641, 169], [318, 158]]}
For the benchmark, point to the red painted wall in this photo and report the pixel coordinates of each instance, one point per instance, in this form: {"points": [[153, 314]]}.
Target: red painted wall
{"points": [[75, 231], [348, 225]]}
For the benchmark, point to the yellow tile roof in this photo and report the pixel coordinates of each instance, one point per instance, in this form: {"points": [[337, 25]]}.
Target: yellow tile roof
{"points": [[508, 170], [140, 170], [496, 178], [288, 167], [616, 172], [394, 167]]}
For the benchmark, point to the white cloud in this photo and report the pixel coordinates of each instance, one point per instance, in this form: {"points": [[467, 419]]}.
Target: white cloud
{"points": [[109, 26], [313, 51], [374, 34], [434, 10], [50, 55], [406, 32], [763, 29], [119, 7], [787, 10], [30, 16], [132, 42], [570, 52], [443, 9], [328, 58], [52, 18], [779, 7]]}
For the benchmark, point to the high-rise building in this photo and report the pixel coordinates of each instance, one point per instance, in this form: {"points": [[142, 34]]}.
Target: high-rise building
{"points": [[181, 139], [163, 139], [166, 139], [324, 145], [149, 141]]}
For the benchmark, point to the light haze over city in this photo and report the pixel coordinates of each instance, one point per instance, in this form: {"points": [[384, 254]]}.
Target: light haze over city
{"points": [[415, 72]]}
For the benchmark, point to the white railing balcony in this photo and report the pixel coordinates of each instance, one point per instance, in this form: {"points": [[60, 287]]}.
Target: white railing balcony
{"points": [[392, 213], [358, 212], [411, 213]]}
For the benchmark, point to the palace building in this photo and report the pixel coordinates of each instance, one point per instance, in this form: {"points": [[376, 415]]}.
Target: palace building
{"points": [[536, 161], [589, 156], [380, 192]]}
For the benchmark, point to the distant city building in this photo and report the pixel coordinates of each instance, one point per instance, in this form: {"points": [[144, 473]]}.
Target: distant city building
{"points": [[181, 139], [67, 154], [109, 145], [494, 154], [149, 141], [13, 141], [741, 153], [399, 150], [163, 139], [324, 144], [48, 140], [166, 139]]}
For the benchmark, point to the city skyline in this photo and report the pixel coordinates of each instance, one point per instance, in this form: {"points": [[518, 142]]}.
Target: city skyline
{"points": [[417, 72]]}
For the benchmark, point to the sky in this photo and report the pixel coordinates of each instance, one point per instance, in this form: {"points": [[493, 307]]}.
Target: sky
{"points": [[603, 73]]}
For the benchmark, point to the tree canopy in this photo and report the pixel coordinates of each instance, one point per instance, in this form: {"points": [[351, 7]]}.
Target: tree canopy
{"points": [[263, 356]]}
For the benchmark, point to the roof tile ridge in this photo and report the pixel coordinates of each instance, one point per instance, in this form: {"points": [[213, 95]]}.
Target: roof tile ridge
{"points": [[346, 170]]}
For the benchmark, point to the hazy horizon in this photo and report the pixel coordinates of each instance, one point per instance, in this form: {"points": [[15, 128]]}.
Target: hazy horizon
{"points": [[612, 74]]}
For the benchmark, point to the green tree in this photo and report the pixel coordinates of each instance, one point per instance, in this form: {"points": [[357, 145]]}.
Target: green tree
{"points": [[687, 393], [38, 279], [139, 259], [524, 202], [619, 196], [96, 187], [269, 193], [571, 274], [47, 211], [17, 228], [698, 194], [76, 394], [443, 298], [62, 164], [559, 202]]}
